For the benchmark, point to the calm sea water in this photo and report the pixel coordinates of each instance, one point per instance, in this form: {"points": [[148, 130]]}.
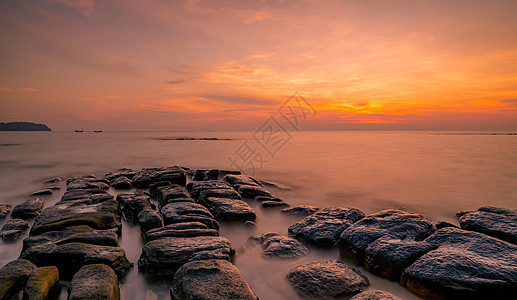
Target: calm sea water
{"points": [[432, 173]]}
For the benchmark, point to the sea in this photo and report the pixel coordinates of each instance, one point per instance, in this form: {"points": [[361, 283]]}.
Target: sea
{"points": [[436, 174]]}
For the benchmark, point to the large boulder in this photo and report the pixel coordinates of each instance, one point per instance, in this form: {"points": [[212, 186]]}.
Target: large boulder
{"points": [[133, 203], [79, 234], [96, 281], [13, 229], [124, 172], [326, 280], [386, 242], [43, 284], [277, 246], [70, 257], [146, 177], [31, 208], [463, 264], [300, 210], [219, 193], [14, 276], [210, 280], [121, 183], [375, 295], [188, 229], [497, 222], [161, 258], [149, 219], [180, 212], [197, 187], [86, 182], [171, 193], [5, 209], [229, 209], [324, 227]]}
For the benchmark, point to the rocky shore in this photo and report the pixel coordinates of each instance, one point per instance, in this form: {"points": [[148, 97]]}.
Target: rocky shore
{"points": [[179, 210]]}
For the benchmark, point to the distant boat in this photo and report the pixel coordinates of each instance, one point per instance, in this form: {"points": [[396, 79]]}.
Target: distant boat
{"points": [[79, 131], [97, 131]]}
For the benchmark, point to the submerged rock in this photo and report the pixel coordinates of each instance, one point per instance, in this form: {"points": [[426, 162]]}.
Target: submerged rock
{"points": [[500, 223], [121, 183], [31, 208], [375, 295], [14, 276], [146, 177], [324, 227], [326, 280], [301, 210], [70, 257], [13, 229], [43, 284], [210, 280], [79, 234], [96, 281], [229, 209], [267, 204], [280, 246], [161, 258], [5, 209], [42, 192], [252, 191]]}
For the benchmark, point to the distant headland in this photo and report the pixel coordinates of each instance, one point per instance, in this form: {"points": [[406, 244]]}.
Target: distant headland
{"points": [[23, 126]]}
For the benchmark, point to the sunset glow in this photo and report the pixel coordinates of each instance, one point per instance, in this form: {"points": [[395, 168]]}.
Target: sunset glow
{"points": [[227, 65]]}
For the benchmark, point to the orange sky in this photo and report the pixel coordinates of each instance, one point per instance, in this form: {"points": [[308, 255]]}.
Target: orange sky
{"points": [[227, 65]]}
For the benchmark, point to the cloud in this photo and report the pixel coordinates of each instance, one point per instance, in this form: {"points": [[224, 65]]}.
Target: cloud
{"points": [[6, 89], [258, 16], [176, 81]]}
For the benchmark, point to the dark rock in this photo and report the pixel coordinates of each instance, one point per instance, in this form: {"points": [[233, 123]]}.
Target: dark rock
{"points": [[163, 257], [497, 222], [5, 209], [210, 280], [199, 175], [301, 210], [324, 227], [86, 182], [121, 183], [195, 188], [70, 257], [261, 238], [328, 279], [443, 224], [146, 177], [171, 231], [266, 204], [240, 180], [173, 211], [54, 180], [13, 229], [42, 192], [208, 221], [43, 284], [212, 174], [280, 246], [252, 191], [53, 187], [79, 234], [463, 265], [86, 196], [171, 193], [149, 219], [229, 172], [132, 204], [250, 224], [375, 295], [229, 209], [14, 276], [95, 281], [31, 208], [154, 186], [267, 198], [219, 193], [128, 173]]}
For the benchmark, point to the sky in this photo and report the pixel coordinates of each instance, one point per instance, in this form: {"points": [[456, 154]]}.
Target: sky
{"points": [[225, 65]]}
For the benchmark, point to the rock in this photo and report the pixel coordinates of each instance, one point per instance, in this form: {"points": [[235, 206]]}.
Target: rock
{"points": [[250, 224], [154, 186], [328, 279], [159, 233], [173, 211], [128, 173], [96, 281], [443, 224], [268, 198], [280, 246], [240, 180], [43, 284], [229, 209], [324, 227], [86, 196], [163, 257], [208, 221], [463, 265], [195, 188], [219, 193], [121, 183], [53, 180], [301, 210], [500, 223], [53, 187], [146, 177], [212, 174], [386, 242], [266, 204], [375, 295], [83, 182], [42, 192], [14, 276], [79, 234], [263, 237], [252, 191], [31, 208], [70, 257], [5, 209], [132, 204], [210, 280], [171, 193], [13, 229], [149, 219]]}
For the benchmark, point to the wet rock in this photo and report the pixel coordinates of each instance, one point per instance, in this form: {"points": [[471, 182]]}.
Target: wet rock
{"points": [[259, 239], [86, 196], [128, 173], [149, 219], [132, 204], [31, 208], [201, 175], [375, 295], [146, 177], [443, 224], [13, 229], [43, 284], [79, 234], [324, 227], [240, 180], [327, 280], [14, 276], [154, 186], [464, 265], [42, 192], [500, 223], [266, 204], [280, 246], [208, 221], [210, 280], [301, 210], [268, 198], [171, 193], [250, 224], [219, 193], [229, 209], [53, 187], [5, 209], [195, 188], [54, 180], [121, 183], [86, 182], [96, 281], [71, 256], [184, 230], [173, 211], [252, 191], [163, 257]]}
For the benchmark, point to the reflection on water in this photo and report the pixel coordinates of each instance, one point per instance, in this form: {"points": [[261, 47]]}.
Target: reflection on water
{"points": [[432, 174]]}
